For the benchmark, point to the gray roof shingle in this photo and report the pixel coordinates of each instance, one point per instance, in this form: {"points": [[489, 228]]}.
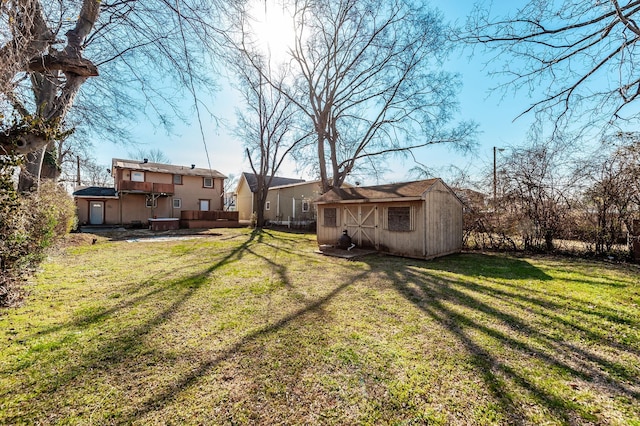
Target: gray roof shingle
{"points": [[95, 191], [252, 180], [165, 168], [379, 192]]}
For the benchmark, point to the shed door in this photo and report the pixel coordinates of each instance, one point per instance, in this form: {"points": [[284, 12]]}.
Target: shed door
{"points": [[361, 222], [96, 212]]}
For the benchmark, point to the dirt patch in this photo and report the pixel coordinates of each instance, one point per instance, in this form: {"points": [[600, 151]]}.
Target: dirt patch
{"points": [[79, 239]]}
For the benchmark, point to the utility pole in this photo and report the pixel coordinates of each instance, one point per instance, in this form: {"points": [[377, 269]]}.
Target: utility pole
{"points": [[78, 181]]}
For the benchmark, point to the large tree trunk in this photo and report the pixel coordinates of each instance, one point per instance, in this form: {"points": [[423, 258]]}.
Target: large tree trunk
{"points": [[30, 171], [56, 76]]}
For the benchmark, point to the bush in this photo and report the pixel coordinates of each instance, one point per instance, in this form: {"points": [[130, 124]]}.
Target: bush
{"points": [[29, 224]]}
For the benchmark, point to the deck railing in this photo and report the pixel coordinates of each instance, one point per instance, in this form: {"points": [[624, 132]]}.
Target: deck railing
{"points": [[208, 215], [145, 187]]}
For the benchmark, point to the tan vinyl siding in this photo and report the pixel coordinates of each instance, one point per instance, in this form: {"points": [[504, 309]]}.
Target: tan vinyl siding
{"points": [[282, 201], [244, 200]]}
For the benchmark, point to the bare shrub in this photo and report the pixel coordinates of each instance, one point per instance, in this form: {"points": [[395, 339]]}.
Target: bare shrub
{"points": [[29, 225]]}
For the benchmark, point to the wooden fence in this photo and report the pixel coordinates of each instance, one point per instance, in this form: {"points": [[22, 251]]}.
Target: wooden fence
{"points": [[208, 219]]}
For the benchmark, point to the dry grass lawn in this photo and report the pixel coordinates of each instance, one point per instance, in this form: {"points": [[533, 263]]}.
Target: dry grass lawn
{"points": [[256, 328]]}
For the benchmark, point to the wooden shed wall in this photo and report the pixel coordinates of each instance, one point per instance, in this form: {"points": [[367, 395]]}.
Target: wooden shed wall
{"points": [[436, 224], [329, 234], [403, 243], [443, 221]]}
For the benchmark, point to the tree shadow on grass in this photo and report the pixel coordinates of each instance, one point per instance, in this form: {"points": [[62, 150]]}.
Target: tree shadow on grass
{"points": [[186, 381], [467, 296], [99, 315], [118, 349], [110, 355]]}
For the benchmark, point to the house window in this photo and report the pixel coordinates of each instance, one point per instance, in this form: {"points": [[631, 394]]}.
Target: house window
{"points": [[267, 205], [137, 176], [330, 216], [203, 205], [177, 203], [207, 182], [151, 202], [399, 219], [177, 179], [305, 206]]}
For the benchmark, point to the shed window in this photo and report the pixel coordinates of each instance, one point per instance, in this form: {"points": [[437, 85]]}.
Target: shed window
{"points": [[207, 182], [330, 216], [399, 219]]}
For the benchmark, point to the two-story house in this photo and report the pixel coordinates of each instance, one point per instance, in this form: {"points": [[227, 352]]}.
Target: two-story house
{"points": [[144, 190]]}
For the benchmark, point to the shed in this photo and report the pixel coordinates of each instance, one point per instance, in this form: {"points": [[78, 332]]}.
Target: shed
{"points": [[421, 219]]}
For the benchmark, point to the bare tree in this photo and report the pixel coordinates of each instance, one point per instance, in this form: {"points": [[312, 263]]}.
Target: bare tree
{"points": [[581, 55], [138, 46], [613, 192], [536, 185], [366, 76], [154, 155], [266, 125]]}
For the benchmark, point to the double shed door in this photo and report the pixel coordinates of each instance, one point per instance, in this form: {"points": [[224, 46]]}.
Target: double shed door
{"points": [[361, 223]]}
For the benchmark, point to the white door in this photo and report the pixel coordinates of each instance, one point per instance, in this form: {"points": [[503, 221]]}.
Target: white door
{"points": [[96, 212], [204, 205], [362, 225]]}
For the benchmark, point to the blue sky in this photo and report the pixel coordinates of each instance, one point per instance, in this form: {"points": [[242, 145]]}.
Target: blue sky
{"points": [[494, 116]]}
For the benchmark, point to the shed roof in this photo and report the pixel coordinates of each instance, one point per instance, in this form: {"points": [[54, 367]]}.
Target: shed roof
{"points": [[165, 168], [95, 191], [403, 190], [252, 181]]}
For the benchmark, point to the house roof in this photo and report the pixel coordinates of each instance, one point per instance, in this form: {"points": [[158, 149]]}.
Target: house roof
{"points": [[95, 191], [252, 181], [165, 168], [404, 190], [291, 185]]}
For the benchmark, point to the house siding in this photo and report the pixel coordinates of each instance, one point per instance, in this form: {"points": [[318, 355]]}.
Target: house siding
{"points": [[245, 200], [192, 190], [111, 215], [130, 206], [282, 202]]}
